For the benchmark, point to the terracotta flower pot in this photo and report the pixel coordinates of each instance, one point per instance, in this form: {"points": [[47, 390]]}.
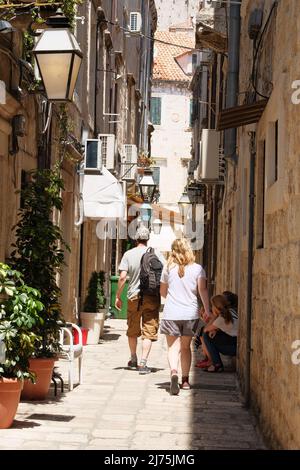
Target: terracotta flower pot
{"points": [[43, 368], [10, 391]]}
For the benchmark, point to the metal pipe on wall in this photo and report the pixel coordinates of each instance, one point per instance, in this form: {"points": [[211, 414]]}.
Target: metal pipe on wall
{"points": [[233, 74], [147, 78], [250, 268]]}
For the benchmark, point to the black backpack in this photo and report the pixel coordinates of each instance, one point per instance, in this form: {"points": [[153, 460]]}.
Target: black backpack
{"points": [[151, 269]]}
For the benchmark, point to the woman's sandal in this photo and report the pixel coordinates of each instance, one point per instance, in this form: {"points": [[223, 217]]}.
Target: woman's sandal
{"points": [[174, 385], [215, 368], [185, 384], [203, 364]]}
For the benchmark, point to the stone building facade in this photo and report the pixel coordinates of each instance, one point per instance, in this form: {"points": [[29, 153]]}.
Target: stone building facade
{"points": [[253, 237], [174, 12], [112, 96], [171, 112]]}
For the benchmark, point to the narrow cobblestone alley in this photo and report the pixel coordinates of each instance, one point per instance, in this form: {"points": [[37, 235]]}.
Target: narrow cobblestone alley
{"points": [[116, 408]]}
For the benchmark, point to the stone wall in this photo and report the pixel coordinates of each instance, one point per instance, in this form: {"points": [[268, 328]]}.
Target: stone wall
{"points": [[276, 268]]}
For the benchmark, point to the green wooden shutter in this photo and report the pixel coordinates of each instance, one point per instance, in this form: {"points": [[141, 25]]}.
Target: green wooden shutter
{"points": [[156, 111]]}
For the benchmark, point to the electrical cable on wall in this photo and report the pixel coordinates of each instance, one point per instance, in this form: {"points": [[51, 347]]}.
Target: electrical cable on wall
{"points": [[255, 55], [159, 40]]}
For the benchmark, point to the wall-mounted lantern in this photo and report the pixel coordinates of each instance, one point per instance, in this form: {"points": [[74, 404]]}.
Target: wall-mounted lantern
{"points": [[184, 202], [146, 212], [58, 57], [6, 27], [147, 186], [157, 226]]}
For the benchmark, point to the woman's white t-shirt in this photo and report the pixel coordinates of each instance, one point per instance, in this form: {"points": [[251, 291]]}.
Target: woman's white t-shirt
{"points": [[230, 328], [182, 302]]}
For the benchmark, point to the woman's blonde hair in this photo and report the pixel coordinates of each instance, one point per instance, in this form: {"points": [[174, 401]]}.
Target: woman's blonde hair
{"points": [[181, 255], [223, 306]]}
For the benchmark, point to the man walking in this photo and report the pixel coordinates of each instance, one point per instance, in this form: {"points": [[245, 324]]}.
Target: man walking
{"points": [[145, 312]]}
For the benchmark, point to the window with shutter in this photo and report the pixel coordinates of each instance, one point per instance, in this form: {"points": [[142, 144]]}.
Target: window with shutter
{"points": [[156, 111]]}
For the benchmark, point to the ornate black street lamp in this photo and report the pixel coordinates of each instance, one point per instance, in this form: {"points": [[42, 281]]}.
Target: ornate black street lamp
{"points": [[146, 212], [184, 202], [147, 186], [157, 226], [58, 57], [6, 27]]}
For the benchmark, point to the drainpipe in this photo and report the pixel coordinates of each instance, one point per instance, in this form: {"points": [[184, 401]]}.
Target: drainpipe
{"points": [[148, 46], [233, 75], [250, 269], [143, 57], [96, 78]]}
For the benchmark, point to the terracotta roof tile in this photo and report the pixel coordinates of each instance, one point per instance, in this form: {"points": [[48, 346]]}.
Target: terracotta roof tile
{"points": [[165, 66]]}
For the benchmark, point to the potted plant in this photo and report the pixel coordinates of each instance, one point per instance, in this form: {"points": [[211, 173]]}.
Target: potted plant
{"points": [[94, 308], [144, 161], [39, 255], [20, 308]]}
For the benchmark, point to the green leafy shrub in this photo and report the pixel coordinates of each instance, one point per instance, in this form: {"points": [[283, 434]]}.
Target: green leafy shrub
{"points": [[20, 308], [39, 251], [95, 300]]}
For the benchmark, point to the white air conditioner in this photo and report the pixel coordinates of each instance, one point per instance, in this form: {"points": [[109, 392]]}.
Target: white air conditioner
{"points": [[214, 3], [108, 150], [135, 22], [92, 156], [210, 156], [129, 161]]}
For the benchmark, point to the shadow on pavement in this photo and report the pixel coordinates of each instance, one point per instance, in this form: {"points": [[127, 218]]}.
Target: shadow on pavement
{"points": [[24, 424], [51, 417], [49, 400], [153, 369], [110, 337], [164, 386]]}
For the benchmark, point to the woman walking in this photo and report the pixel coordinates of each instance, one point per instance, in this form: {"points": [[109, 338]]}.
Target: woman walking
{"points": [[181, 280]]}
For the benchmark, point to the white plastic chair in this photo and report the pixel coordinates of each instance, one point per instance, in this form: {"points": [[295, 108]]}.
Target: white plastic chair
{"points": [[70, 351]]}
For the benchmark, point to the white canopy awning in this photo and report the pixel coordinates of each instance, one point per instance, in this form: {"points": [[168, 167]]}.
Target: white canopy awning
{"points": [[164, 240], [103, 196]]}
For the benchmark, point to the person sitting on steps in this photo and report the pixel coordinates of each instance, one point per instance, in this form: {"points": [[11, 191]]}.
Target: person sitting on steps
{"points": [[220, 334], [233, 305]]}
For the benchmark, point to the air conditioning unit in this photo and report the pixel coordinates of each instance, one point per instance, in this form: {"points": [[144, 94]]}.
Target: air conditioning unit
{"points": [[214, 3], [211, 162], [108, 150], [255, 23], [135, 22], [192, 167], [92, 156], [129, 161]]}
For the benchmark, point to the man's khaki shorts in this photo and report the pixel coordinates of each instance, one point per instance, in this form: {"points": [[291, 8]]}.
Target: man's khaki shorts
{"points": [[148, 312]]}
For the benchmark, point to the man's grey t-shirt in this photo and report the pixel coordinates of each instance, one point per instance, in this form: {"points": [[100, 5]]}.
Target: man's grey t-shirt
{"points": [[131, 262]]}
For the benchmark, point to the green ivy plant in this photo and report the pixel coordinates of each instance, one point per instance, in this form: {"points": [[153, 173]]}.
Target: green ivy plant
{"points": [[11, 8], [95, 300], [69, 9], [38, 252], [20, 308]]}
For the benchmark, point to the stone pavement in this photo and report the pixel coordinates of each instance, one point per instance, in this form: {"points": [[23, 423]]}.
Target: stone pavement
{"points": [[116, 408]]}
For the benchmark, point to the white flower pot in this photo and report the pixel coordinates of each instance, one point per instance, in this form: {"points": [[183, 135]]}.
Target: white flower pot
{"points": [[94, 322]]}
